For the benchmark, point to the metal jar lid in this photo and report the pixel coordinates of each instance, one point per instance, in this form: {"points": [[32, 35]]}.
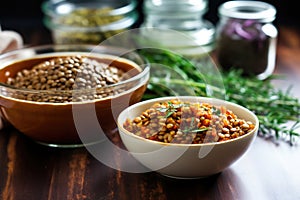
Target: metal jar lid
{"points": [[257, 10]]}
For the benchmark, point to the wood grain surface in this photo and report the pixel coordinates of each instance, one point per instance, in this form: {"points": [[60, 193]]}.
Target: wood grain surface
{"points": [[30, 171]]}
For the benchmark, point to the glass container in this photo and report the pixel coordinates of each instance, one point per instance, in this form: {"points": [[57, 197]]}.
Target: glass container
{"points": [[247, 37], [88, 21], [74, 117], [179, 26]]}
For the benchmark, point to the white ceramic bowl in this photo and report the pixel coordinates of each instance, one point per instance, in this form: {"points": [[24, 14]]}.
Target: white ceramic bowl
{"points": [[186, 160]]}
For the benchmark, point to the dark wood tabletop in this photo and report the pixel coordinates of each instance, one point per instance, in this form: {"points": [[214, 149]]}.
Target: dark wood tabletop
{"points": [[30, 171]]}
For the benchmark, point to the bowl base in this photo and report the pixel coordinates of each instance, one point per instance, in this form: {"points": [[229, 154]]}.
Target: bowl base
{"points": [[78, 145], [188, 177]]}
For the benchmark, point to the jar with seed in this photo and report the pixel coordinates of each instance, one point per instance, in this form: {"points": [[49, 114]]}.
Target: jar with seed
{"points": [[88, 22], [246, 37]]}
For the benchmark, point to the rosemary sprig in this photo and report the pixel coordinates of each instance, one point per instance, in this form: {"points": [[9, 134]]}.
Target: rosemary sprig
{"points": [[274, 107]]}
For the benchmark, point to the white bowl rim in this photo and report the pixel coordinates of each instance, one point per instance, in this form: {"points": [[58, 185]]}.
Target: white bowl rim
{"points": [[254, 131]]}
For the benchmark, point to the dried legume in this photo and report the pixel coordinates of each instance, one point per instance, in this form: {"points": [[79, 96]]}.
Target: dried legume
{"points": [[77, 78], [175, 121]]}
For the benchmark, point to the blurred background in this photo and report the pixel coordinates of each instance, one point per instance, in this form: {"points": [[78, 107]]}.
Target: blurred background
{"points": [[26, 17]]}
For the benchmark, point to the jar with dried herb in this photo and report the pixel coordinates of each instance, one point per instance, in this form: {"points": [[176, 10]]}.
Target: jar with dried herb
{"points": [[246, 37], [88, 22]]}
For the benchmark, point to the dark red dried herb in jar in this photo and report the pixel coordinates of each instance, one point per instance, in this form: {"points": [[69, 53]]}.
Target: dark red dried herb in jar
{"points": [[246, 38]]}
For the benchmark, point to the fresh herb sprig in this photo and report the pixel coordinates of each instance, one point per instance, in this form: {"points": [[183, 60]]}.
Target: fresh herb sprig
{"points": [[275, 108], [170, 109], [192, 128]]}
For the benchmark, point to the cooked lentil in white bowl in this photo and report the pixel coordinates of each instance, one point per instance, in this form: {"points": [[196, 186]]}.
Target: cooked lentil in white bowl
{"points": [[187, 136]]}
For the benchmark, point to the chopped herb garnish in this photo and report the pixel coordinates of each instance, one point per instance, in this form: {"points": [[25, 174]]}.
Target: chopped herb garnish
{"points": [[192, 128], [216, 111], [170, 109]]}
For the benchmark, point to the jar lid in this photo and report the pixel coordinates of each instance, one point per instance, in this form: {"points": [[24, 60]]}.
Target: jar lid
{"points": [[248, 10], [55, 8], [89, 15], [173, 8]]}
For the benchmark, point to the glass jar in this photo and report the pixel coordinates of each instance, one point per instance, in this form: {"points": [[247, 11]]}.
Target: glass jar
{"points": [[179, 26], [88, 21], [246, 37]]}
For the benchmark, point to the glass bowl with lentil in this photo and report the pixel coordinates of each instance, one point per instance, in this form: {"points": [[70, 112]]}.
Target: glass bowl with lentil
{"points": [[88, 21], [187, 136], [52, 93]]}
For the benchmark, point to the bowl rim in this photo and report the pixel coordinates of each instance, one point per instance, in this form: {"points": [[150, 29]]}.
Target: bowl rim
{"points": [[144, 73], [130, 134]]}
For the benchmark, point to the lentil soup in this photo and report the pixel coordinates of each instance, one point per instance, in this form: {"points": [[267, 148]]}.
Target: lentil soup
{"points": [[185, 122]]}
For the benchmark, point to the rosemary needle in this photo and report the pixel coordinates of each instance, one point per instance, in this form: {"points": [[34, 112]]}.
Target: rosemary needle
{"points": [[274, 107]]}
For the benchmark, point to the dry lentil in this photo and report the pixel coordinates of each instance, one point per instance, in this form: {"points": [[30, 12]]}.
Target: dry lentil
{"points": [[185, 122], [67, 78]]}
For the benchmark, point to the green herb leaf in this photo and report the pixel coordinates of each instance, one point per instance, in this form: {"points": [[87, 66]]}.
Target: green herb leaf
{"points": [[274, 108], [172, 108], [216, 111], [198, 130]]}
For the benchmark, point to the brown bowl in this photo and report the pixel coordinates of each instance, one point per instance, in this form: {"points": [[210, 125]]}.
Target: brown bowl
{"points": [[73, 123]]}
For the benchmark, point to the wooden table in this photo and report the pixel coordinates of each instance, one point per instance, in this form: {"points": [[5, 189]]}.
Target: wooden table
{"points": [[30, 171]]}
